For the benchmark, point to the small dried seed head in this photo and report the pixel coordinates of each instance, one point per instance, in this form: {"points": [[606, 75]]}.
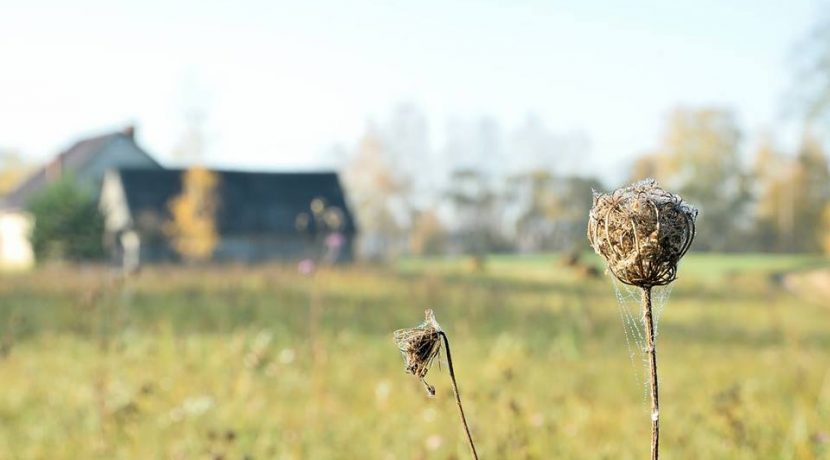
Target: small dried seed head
{"points": [[641, 231], [419, 347]]}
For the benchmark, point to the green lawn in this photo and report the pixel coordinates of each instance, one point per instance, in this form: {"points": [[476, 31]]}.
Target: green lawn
{"points": [[263, 363]]}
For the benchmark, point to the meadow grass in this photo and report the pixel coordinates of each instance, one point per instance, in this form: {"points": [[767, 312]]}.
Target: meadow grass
{"points": [[216, 362]]}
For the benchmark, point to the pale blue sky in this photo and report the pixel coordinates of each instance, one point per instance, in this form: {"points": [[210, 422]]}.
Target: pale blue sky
{"points": [[283, 81]]}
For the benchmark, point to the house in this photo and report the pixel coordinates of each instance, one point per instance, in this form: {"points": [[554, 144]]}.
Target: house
{"points": [[260, 216], [86, 162]]}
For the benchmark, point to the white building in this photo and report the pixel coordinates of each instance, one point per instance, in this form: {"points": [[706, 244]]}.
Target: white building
{"points": [[86, 161]]}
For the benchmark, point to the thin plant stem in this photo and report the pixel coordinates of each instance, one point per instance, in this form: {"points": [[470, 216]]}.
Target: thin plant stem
{"points": [[458, 396], [315, 312], [317, 348], [651, 350]]}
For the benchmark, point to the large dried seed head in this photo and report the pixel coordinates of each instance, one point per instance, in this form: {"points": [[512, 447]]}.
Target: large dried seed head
{"points": [[419, 347], [641, 231]]}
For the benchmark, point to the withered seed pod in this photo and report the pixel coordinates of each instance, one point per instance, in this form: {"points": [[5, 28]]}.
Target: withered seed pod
{"points": [[641, 231]]}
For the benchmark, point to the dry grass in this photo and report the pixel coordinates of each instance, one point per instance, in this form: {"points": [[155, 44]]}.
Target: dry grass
{"points": [[202, 363]]}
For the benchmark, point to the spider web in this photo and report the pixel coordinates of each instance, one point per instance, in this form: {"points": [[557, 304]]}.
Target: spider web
{"points": [[629, 303]]}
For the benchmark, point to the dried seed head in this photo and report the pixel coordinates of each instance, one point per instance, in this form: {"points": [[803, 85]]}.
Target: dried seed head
{"points": [[419, 347], [641, 231]]}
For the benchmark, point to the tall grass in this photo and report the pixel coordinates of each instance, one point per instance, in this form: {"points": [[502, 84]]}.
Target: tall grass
{"points": [[216, 361]]}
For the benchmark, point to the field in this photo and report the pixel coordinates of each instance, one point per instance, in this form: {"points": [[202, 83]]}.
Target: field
{"points": [[264, 363]]}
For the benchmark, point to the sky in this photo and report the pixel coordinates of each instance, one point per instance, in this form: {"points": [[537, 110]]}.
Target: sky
{"points": [[280, 82]]}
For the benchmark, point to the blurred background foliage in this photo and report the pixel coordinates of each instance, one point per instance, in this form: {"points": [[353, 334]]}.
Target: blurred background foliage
{"points": [[69, 225]]}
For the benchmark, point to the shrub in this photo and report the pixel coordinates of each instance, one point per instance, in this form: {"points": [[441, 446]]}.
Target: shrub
{"points": [[68, 225]]}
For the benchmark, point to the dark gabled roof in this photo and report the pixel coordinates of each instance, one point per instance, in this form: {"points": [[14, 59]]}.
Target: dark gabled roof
{"points": [[250, 203], [68, 161]]}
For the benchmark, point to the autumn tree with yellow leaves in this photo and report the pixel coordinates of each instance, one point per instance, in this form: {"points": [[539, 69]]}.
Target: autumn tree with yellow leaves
{"points": [[698, 157], [793, 193], [13, 169], [192, 228], [825, 229]]}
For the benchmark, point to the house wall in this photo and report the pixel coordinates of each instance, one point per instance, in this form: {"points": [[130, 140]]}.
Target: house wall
{"points": [[15, 249], [113, 204], [123, 244]]}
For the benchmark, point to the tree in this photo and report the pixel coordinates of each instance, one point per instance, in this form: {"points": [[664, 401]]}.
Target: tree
{"points": [[577, 193], [68, 225], [192, 229], [12, 170], [540, 209], [792, 193], [698, 158], [647, 165], [479, 222], [532, 146], [813, 73], [812, 196], [475, 145], [428, 236], [552, 210], [380, 195], [825, 229], [405, 140], [811, 190], [772, 174]]}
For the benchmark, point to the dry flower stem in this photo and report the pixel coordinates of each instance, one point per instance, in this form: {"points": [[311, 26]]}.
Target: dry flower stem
{"points": [[642, 232], [648, 321], [458, 396], [419, 347]]}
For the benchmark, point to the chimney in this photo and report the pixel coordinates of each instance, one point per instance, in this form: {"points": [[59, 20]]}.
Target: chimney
{"points": [[129, 131]]}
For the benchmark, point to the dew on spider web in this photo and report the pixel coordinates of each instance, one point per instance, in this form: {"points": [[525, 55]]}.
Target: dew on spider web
{"points": [[629, 302], [659, 297]]}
